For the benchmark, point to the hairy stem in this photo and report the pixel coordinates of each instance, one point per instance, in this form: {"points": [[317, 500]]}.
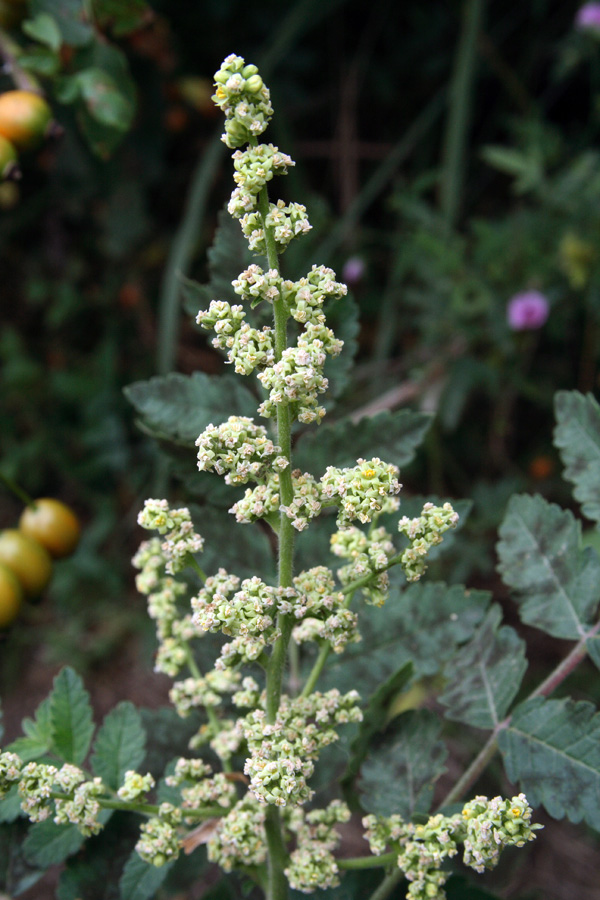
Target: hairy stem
{"points": [[277, 882]]}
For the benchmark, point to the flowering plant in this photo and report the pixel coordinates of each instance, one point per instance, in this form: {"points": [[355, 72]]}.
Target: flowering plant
{"points": [[248, 785]]}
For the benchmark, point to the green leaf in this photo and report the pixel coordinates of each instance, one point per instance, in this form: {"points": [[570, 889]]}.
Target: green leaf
{"points": [[398, 776], [49, 844], [181, 406], [392, 436], [10, 804], [557, 584], [37, 739], [16, 875], [140, 879], [70, 16], [103, 99], [243, 550], [121, 18], [120, 744], [343, 318], [71, 717], [484, 677], [552, 749], [44, 28], [577, 436], [375, 717], [423, 624], [41, 61]]}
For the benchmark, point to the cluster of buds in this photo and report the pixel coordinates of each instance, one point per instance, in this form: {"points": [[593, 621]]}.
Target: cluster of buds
{"points": [[282, 754], [180, 540], [362, 492], [159, 841], [312, 863], [244, 99], [240, 450], [369, 554], [239, 838], [485, 827], [322, 611], [198, 790], [424, 533], [203, 691]]}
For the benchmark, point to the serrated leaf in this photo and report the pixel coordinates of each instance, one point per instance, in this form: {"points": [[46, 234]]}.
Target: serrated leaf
{"points": [[375, 716], [16, 875], [398, 776], [483, 679], [37, 739], [141, 879], [557, 584], [577, 437], [552, 750], [423, 624], [48, 844], [10, 805], [393, 437], [120, 744], [181, 406], [71, 717], [243, 550]]}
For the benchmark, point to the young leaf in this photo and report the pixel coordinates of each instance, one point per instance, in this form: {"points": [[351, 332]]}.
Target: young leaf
{"points": [[104, 101], [423, 624], [141, 879], [181, 406], [37, 738], [374, 720], [558, 585], [577, 436], [48, 844], [398, 775], [392, 436], [43, 28], [552, 749], [71, 18], [483, 678], [120, 744], [71, 717]]}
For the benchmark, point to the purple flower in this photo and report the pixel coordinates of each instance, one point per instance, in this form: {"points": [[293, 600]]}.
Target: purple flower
{"points": [[354, 269], [527, 311], [588, 17]]}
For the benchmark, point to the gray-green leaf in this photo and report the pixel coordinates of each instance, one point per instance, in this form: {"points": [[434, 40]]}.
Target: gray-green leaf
{"points": [[141, 879], [120, 744], [181, 406], [48, 844], [484, 677], [398, 776], [71, 717], [577, 436], [392, 436], [552, 749], [557, 584]]}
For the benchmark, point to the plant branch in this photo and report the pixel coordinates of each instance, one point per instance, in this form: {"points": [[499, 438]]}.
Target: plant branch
{"points": [[367, 862], [387, 885]]}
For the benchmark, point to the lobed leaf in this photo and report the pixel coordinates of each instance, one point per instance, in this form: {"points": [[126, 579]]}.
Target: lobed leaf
{"points": [[141, 879], [423, 624], [483, 678], [577, 437], [557, 584], [398, 775], [392, 436], [71, 717], [120, 744], [37, 738], [180, 407], [552, 749]]}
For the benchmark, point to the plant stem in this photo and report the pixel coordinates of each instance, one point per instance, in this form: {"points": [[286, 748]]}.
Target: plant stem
{"points": [[459, 112], [367, 862], [554, 679], [277, 882], [387, 885], [149, 809], [17, 491]]}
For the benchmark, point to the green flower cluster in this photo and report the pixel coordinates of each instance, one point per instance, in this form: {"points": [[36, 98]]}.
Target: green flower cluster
{"points": [[485, 827], [368, 554], [244, 99], [240, 450], [362, 492], [312, 863], [321, 610], [180, 540], [424, 533]]}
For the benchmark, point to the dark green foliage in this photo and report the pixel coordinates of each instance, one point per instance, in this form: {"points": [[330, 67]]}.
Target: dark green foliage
{"points": [[399, 773], [483, 679], [557, 584], [391, 436], [141, 880], [120, 745], [577, 436], [552, 750], [179, 407], [72, 726]]}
